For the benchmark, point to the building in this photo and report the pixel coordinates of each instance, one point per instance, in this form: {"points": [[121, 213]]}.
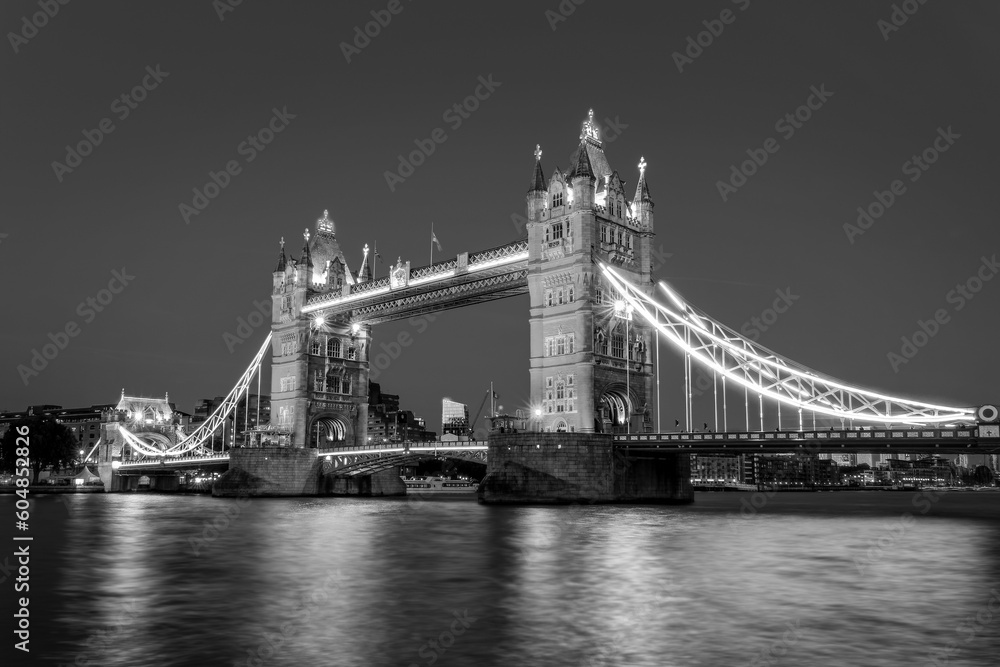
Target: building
{"points": [[454, 418], [388, 423], [791, 471], [591, 365], [716, 469]]}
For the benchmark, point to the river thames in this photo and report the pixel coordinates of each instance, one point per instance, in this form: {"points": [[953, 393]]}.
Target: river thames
{"points": [[852, 578]]}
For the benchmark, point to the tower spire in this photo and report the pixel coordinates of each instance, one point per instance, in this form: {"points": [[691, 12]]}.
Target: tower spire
{"points": [[641, 189], [305, 258], [364, 273], [281, 256], [583, 167], [538, 179]]}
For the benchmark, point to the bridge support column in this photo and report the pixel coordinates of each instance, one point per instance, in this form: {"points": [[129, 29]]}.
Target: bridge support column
{"points": [[553, 468], [382, 483], [293, 471], [270, 471]]}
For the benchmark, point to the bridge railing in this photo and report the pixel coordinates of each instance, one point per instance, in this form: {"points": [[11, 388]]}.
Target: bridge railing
{"points": [[873, 435]]}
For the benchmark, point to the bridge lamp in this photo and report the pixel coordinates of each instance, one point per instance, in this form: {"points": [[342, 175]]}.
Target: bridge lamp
{"points": [[319, 321], [355, 328], [116, 464]]}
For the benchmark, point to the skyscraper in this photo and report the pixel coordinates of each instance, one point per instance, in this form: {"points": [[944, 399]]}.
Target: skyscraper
{"points": [[454, 417]]}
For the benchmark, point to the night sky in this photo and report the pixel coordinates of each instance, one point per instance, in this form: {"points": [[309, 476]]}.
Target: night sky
{"points": [[220, 80]]}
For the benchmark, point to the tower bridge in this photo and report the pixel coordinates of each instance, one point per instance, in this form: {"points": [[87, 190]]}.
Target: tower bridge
{"points": [[596, 318]]}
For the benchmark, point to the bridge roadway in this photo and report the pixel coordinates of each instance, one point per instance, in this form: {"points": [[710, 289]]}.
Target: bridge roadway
{"points": [[341, 460], [967, 440], [373, 458]]}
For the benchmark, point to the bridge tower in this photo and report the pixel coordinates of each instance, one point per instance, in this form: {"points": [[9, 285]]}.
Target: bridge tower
{"points": [[319, 367], [591, 362]]}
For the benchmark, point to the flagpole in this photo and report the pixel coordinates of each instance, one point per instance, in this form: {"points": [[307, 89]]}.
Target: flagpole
{"points": [[432, 245], [375, 261]]}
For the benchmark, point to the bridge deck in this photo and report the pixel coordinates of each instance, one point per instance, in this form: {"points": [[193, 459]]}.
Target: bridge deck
{"points": [[924, 440]]}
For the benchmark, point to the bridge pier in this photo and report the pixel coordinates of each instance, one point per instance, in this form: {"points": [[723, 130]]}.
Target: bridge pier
{"points": [[556, 468], [292, 471]]}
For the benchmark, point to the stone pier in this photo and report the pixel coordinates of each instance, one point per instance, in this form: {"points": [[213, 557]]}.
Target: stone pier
{"points": [[555, 468], [289, 471]]}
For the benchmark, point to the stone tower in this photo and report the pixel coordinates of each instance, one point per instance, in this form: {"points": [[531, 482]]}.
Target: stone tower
{"points": [[591, 362], [319, 368]]}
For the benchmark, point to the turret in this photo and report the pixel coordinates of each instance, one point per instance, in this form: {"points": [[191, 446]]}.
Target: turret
{"points": [[642, 204], [303, 269], [537, 192], [582, 179], [279, 270]]}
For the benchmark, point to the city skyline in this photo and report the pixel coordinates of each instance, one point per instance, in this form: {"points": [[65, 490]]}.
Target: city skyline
{"points": [[178, 284]]}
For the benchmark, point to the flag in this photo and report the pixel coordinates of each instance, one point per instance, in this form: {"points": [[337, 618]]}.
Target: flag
{"points": [[434, 240], [378, 257]]}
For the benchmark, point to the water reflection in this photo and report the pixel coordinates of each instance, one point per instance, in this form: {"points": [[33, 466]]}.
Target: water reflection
{"points": [[817, 579]]}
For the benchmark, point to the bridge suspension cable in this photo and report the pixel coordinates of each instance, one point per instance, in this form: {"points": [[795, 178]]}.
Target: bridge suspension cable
{"points": [[206, 430], [765, 372]]}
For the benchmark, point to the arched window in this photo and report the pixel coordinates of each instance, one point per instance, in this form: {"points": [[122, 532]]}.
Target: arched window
{"points": [[317, 346], [333, 347], [557, 198], [569, 297]]}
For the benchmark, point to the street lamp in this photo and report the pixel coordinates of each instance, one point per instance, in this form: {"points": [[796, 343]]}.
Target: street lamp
{"points": [[538, 417]]}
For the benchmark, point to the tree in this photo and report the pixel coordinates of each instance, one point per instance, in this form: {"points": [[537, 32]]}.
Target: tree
{"points": [[49, 444]]}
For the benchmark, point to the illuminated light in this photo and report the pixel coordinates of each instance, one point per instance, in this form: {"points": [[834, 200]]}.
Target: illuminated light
{"points": [[486, 264], [673, 297], [745, 349], [355, 328], [320, 321], [538, 412], [115, 465]]}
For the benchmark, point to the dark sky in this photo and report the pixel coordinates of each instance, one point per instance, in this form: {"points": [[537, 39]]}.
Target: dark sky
{"points": [[783, 229]]}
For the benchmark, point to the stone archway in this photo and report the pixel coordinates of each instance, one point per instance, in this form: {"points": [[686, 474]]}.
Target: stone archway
{"points": [[329, 430], [615, 409]]}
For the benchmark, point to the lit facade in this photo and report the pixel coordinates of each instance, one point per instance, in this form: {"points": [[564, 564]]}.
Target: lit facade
{"points": [[454, 418], [591, 364]]}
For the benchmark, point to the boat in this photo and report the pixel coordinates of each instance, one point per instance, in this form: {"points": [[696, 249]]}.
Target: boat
{"points": [[428, 485]]}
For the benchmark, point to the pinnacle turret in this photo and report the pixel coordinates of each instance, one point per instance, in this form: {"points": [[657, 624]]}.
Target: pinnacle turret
{"points": [[281, 257], [583, 166], [305, 258], [641, 189], [538, 180]]}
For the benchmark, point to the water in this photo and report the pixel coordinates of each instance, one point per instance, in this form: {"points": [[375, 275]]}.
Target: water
{"points": [[373, 582]]}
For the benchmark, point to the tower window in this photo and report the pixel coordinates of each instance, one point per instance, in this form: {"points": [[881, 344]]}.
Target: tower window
{"points": [[557, 199], [316, 347], [333, 347], [617, 345], [557, 231]]}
